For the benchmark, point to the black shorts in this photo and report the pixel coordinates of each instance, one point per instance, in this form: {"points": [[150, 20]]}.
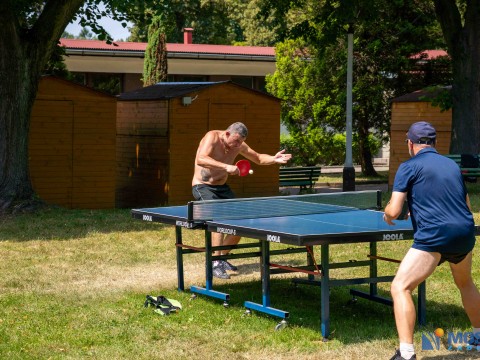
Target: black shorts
{"points": [[212, 192], [454, 258]]}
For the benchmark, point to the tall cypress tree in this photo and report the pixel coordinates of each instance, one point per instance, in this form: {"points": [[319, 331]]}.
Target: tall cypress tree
{"points": [[155, 67]]}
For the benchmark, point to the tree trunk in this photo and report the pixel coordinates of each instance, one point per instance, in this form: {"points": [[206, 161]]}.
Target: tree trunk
{"points": [[18, 87], [364, 148], [466, 102], [464, 50]]}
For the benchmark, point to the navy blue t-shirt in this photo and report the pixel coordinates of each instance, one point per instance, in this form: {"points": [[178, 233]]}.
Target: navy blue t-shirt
{"points": [[436, 197]]}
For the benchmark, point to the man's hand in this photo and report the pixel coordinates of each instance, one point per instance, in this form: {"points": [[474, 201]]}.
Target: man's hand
{"points": [[388, 219], [281, 157], [232, 170], [394, 207]]}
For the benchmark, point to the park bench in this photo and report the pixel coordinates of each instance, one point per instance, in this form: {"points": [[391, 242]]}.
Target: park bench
{"points": [[304, 176], [469, 165]]}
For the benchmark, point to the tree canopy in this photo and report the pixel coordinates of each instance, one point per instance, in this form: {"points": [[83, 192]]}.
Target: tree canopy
{"points": [[311, 71], [30, 33], [385, 32]]}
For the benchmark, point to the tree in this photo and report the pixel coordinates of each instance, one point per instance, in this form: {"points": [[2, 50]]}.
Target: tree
{"points": [[386, 35], [460, 22], [212, 20], [30, 33], [155, 66]]}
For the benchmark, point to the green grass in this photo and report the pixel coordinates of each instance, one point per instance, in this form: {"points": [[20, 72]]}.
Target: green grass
{"points": [[73, 283], [337, 178]]}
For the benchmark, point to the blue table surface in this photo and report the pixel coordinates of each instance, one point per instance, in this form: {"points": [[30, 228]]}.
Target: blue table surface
{"points": [[356, 221]]}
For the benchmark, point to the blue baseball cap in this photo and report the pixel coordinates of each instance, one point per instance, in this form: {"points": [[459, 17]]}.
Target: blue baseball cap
{"points": [[422, 132]]}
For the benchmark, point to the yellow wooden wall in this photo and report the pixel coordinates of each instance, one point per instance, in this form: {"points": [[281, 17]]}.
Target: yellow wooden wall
{"points": [[142, 153], [72, 145], [157, 141], [215, 108], [406, 113]]}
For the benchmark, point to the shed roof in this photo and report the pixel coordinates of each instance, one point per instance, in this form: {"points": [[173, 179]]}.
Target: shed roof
{"points": [[422, 95], [170, 90], [166, 90]]}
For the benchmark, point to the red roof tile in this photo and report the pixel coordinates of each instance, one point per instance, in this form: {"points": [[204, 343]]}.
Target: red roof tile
{"points": [[177, 48], [430, 54]]}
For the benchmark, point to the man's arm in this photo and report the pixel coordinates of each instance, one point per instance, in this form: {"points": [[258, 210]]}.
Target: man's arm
{"points": [[468, 203], [205, 152], [394, 207], [264, 159]]}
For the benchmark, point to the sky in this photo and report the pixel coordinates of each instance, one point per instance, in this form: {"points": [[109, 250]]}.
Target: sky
{"points": [[114, 28]]}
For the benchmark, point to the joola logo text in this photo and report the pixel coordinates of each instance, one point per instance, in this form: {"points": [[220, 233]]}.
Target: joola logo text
{"points": [[184, 224], [147, 218], [226, 231], [387, 237], [273, 238]]}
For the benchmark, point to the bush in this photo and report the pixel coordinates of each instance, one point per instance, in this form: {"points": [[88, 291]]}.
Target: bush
{"points": [[320, 148]]}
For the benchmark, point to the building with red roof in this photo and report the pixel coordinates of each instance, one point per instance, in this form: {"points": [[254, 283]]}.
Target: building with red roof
{"points": [[245, 65]]}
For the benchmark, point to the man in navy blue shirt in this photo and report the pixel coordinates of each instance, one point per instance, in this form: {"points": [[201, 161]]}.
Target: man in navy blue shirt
{"points": [[443, 226]]}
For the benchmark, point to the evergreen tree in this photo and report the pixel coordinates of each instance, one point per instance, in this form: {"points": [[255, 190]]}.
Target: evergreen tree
{"points": [[155, 66]]}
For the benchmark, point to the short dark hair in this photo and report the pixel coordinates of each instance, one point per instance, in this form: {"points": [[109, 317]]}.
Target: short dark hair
{"points": [[238, 128]]}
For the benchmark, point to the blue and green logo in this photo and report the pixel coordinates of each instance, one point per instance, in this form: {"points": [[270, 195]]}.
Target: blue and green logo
{"points": [[452, 341]]}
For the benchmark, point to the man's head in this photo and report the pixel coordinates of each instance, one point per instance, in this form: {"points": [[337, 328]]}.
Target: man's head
{"points": [[235, 135], [238, 128], [421, 134]]}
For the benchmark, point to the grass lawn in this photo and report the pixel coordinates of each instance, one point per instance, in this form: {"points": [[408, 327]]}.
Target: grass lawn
{"points": [[73, 283]]}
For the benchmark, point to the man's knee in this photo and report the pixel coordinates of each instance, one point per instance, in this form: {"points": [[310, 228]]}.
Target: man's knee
{"points": [[399, 286]]}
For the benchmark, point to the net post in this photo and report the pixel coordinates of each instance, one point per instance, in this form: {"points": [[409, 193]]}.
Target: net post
{"points": [[379, 199], [190, 211]]}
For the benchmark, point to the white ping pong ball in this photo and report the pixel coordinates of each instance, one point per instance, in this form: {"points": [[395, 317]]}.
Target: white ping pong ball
{"points": [[250, 172]]}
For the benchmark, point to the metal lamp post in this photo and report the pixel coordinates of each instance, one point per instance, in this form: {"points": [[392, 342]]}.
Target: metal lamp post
{"points": [[348, 169]]}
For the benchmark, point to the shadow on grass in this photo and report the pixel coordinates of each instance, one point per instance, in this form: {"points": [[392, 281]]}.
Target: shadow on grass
{"points": [[350, 323], [65, 224]]}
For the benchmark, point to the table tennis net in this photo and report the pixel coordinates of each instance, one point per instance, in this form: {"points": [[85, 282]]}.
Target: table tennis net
{"points": [[246, 208]]}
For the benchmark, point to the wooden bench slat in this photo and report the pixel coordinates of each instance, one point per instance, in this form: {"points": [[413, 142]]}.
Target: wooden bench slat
{"points": [[304, 177], [466, 172]]}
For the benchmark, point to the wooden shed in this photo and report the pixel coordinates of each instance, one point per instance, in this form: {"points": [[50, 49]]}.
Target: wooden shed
{"points": [[411, 108], [72, 145], [159, 128]]}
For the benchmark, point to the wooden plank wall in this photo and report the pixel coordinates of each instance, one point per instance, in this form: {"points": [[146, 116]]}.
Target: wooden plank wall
{"points": [[72, 145], [215, 108], [50, 151], [403, 115], [142, 153]]}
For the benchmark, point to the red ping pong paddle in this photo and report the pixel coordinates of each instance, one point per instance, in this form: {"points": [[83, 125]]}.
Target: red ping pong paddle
{"points": [[243, 167]]}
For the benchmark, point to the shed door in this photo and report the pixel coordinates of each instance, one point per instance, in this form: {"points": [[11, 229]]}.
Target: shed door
{"points": [[222, 115], [50, 151]]}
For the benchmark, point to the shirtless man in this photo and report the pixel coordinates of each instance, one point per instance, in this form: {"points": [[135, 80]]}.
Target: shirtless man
{"points": [[213, 163]]}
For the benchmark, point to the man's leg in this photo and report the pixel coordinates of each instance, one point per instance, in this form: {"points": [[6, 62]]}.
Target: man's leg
{"points": [[217, 266], [415, 267], [462, 274], [217, 240], [230, 240]]}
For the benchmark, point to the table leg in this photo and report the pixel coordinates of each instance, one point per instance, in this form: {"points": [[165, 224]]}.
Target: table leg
{"points": [[325, 293], [265, 276], [422, 303], [208, 290], [178, 241], [373, 268]]}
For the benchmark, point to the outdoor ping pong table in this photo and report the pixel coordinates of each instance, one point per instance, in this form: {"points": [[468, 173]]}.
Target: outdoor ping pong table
{"points": [[304, 221]]}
